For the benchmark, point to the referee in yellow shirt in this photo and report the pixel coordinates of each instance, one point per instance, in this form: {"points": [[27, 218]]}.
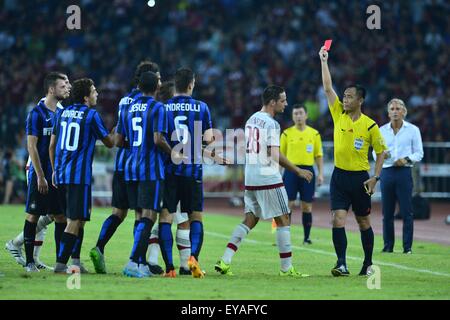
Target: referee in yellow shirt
{"points": [[350, 184], [302, 145]]}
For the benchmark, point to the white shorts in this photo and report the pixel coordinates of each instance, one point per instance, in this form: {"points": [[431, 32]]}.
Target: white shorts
{"points": [[180, 217], [266, 203]]}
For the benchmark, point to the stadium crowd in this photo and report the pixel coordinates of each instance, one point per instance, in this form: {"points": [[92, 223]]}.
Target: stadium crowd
{"points": [[236, 47]]}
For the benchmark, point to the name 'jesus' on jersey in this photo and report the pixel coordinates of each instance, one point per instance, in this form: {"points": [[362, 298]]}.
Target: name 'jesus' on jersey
{"points": [[76, 130], [137, 124], [261, 132], [188, 120], [122, 153]]}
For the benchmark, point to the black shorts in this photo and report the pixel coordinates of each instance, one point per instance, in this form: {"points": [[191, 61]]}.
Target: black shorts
{"points": [[77, 201], [186, 190], [119, 191], [42, 204], [150, 195], [347, 189], [132, 194]]}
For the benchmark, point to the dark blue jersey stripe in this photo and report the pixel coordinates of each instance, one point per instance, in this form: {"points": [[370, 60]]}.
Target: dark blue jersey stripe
{"points": [[187, 114], [122, 153], [39, 123], [76, 130], [138, 124]]}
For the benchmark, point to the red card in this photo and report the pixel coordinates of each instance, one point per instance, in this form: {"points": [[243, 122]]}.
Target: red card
{"points": [[327, 44]]}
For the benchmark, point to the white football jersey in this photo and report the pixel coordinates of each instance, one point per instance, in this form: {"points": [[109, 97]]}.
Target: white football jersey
{"points": [[261, 132]]}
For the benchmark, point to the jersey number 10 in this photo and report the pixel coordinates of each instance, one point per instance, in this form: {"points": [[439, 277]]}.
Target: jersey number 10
{"points": [[70, 136]]}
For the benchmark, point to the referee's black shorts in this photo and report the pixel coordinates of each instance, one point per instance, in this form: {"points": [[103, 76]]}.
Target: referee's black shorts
{"points": [[347, 189], [119, 191], [186, 190]]}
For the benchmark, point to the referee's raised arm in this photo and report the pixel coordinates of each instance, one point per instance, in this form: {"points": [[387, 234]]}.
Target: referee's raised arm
{"points": [[326, 77]]}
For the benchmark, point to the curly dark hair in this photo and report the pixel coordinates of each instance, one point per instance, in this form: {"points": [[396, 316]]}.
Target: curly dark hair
{"points": [[81, 88]]}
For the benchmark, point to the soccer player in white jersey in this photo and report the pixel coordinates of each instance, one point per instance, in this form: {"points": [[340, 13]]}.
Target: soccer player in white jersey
{"points": [[265, 196]]}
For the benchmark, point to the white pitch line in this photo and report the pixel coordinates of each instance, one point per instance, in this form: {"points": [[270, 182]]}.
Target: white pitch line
{"points": [[394, 265]]}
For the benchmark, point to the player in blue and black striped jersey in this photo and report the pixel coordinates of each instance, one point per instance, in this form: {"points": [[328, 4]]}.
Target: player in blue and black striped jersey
{"points": [[188, 120], [42, 197], [71, 154], [144, 125], [120, 197]]}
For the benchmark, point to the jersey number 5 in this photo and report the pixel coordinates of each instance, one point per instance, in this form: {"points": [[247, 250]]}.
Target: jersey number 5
{"points": [[70, 136], [136, 122], [253, 140]]}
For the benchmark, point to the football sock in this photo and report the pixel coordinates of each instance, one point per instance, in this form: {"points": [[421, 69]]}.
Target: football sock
{"points": [[367, 239], [78, 243], [284, 247], [136, 223], [43, 222], [239, 233], [153, 245], [29, 234], [166, 243], [108, 228], [184, 246], [38, 242], [340, 244], [196, 236], [140, 245], [66, 247], [307, 223], [59, 230]]}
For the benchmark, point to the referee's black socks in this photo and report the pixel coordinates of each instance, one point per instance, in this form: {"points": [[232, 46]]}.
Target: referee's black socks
{"points": [[307, 223], [340, 244], [367, 239], [29, 235]]}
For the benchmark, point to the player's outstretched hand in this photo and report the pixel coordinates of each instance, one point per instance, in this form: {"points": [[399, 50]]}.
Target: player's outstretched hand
{"points": [[305, 174], [323, 54]]}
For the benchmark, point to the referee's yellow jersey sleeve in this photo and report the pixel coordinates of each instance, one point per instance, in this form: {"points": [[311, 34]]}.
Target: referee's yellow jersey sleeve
{"points": [[336, 109], [377, 140], [318, 151], [283, 143]]}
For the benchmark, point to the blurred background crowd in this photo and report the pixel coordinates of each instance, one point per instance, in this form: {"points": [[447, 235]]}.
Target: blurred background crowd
{"points": [[236, 48]]}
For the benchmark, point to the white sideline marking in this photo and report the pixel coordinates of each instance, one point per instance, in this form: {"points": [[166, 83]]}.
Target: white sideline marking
{"points": [[394, 265]]}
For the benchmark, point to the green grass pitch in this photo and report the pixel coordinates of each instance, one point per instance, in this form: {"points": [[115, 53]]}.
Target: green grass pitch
{"points": [[423, 275]]}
